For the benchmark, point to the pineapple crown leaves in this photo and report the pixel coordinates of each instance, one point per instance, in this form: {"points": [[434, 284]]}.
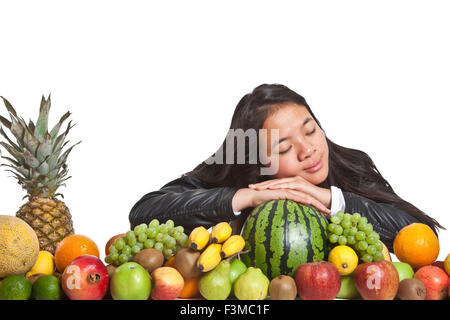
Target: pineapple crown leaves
{"points": [[36, 159]]}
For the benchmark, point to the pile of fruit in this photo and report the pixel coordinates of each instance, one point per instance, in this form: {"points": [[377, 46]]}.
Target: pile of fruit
{"points": [[286, 250], [208, 265], [76, 272], [165, 237]]}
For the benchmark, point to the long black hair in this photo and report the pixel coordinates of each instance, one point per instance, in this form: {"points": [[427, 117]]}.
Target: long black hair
{"points": [[349, 169]]}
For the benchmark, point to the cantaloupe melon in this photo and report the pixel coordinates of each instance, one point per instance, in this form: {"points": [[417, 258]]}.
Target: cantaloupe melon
{"points": [[19, 246]]}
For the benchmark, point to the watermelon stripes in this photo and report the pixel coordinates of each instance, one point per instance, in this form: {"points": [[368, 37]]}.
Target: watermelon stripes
{"points": [[282, 234]]}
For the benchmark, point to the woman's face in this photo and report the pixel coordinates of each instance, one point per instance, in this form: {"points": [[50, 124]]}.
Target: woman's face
{"points": [[300, 146]]}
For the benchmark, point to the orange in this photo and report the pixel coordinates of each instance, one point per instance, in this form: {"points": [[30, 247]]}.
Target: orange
{"points": [[72, 247], [417, 245], [170, 262], [190, 289]]}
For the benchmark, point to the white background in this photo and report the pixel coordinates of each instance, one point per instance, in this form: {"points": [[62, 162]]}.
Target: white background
{"points": [[152, 89]]}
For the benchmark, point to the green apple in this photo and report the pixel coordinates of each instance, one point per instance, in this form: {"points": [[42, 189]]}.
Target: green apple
{"points": [[130, 281], [348, 288], [405, 271], [237, 267]]}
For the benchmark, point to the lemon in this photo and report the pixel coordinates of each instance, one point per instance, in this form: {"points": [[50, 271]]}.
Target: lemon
{"points": [[45, 264], [386, 254], [344, 259]]}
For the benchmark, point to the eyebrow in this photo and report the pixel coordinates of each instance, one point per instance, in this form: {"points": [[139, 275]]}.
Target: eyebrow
{"points": [[308, 119]]}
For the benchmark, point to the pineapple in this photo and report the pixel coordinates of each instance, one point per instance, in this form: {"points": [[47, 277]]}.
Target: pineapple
{"points": [[40, 167]]}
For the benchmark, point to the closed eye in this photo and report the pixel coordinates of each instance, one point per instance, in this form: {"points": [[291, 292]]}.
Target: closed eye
{"points": [[286, 150], [310, 133]]}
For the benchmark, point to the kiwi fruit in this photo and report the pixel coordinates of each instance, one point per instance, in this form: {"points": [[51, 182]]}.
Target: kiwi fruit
{"points": [[282, 288], [411, 289], [111, 269], [149, 258], [186, 263]]}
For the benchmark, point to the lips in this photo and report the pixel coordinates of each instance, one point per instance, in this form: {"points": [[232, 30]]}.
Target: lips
{"points": [[315, 166]]}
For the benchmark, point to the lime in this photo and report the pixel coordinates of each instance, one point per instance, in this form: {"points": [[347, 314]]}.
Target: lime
{"points": [[15, 287], [47, 288]]}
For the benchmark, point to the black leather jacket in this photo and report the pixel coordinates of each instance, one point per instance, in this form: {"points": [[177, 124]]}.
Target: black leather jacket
{"points": [[190, 203]]}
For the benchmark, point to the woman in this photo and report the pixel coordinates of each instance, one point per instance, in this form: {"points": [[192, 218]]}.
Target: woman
{"points": [[311, 170]]}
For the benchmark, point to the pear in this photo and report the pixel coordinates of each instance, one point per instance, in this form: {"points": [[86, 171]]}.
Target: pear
{"points": [[216, 284], [251, 285]]}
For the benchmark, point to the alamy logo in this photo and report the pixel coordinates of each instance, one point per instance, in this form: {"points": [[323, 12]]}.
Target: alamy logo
{"points": [[73, 281], [374, 279], [255, 149]]}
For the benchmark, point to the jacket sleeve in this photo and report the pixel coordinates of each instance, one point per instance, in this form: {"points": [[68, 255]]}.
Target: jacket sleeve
{"points": [[387, 220], [187, 202]]}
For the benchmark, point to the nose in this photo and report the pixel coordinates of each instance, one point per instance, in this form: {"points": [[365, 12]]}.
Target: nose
{"points": [[305, 150]]}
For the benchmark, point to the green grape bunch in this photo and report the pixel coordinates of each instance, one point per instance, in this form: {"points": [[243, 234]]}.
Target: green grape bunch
{"points": [[356, 232], [165, 237]]}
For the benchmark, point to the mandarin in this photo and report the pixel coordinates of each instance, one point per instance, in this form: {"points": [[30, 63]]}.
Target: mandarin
{"points": [[72, 247], [417, 245]]}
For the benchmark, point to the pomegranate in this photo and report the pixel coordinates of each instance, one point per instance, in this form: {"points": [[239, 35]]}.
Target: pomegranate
{"points": [[85, 278]]}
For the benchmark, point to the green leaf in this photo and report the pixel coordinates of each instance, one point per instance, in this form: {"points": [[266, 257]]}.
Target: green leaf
{"points": [[56, 128], [45, 148], [5, 122], [9, 106], [33, 174], [20, 170], [31, 143], [14, 162], [53, 173], [16, 175], [15, 146], [53, 160], [60, 139], [64, 156], [30, 159], [42, 123], [17, 130], [16, 154], [43, 168], [31, 126]]}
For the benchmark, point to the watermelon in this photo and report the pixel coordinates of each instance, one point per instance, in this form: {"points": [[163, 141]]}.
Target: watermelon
{"points": [[282, 234]]}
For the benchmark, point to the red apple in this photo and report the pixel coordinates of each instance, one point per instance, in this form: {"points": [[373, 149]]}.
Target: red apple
{"points": [[317, 281], [167, 283], [435, 280], [376, 280], [85, 278], [111, 241]]}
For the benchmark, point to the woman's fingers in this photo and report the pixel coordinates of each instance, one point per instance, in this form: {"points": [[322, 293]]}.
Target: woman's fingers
{"points": [[264, 184], [287, 185], [305, 198]]}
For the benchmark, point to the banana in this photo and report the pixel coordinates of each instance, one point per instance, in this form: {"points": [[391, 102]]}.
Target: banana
{"points": [[220, 232], [210, 257], [233, 245], [198, 238]]}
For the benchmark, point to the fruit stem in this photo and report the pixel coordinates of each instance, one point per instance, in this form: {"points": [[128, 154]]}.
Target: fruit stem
{"points": [[236, 254], [94, 278]]}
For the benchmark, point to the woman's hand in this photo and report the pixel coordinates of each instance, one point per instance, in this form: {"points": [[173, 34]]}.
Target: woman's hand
{"points": [[248, 197], [299, 184]]}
